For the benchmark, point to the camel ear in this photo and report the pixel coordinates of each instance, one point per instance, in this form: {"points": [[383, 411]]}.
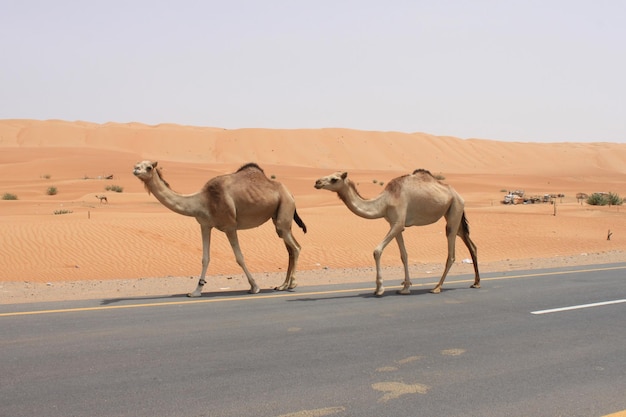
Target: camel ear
{"points": [[344, 175], [154, 164]]}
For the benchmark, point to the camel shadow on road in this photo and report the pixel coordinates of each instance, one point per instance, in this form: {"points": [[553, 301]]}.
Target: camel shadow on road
{"points": [[369, 294], [244, 293], [181, 297]]}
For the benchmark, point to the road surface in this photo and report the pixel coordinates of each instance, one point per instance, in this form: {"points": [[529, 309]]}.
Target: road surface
{"points": [[530, 343]]}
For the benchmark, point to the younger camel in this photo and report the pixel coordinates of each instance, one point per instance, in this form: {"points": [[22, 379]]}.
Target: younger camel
{"points": [[241, 200], [102, 198], [417, 199]]}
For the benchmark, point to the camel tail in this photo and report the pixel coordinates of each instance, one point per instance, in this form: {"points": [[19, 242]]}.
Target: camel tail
{"points": [[299, 221]]}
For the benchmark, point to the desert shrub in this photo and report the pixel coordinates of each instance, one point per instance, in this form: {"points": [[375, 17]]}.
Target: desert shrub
{"points": [[62, 211], [115, 188], [46, 176], [273, 177], [440, 177], [598, 199], [602, 199], [51, 191], [374, 181], [614, 199], [9, 196]]}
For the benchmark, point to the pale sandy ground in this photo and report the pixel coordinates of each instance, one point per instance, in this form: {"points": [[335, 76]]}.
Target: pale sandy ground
{"points": [[135, 247]]}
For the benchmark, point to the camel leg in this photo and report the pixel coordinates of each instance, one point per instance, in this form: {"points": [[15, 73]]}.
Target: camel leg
{"points": [[396, 229], [234, 243], [451, 235], [464, 234], [406, 285], [206, 244], [293, 248], [282, 223]]}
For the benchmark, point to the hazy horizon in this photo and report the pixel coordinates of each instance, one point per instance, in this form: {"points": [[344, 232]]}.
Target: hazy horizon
{"points": [[513, 71]]}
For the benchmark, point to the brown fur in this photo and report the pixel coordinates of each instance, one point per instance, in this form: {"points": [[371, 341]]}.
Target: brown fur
{"points": [[214, 191], [250, 165], [422, 171], [394, 187]]}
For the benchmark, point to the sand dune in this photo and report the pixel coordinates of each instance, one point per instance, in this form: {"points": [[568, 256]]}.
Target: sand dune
{"points": [[134, 236]]}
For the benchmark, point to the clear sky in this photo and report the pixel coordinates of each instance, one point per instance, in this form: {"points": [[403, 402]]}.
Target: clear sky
{"points": [[525, 70]]}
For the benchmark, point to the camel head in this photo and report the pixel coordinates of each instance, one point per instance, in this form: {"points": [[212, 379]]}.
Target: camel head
{"points": [[332, 182], [145, 171]]}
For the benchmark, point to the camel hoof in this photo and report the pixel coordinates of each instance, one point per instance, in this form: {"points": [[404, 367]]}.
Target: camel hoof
{"points": [[254, 290], [404, 291], [194, 294], [475, 286], [379, 293], [435, 290], [281, 288], [292, 286]]}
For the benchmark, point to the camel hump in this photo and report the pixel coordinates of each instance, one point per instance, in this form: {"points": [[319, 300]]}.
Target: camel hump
{"points": [[250, 165], [422, 171]]}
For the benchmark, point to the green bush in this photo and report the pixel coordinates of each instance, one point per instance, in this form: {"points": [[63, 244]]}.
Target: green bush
{"points": [[115, 188], [597, 199], [602, 199], [62, 211], [614, 199], [51, 191], [9, 196]]}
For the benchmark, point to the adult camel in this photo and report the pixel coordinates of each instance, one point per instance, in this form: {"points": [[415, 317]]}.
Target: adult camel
{"points": [[417, 199], [241, 200]]}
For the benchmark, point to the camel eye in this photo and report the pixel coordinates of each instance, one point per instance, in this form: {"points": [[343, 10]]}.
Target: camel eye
{"points": [[149, 168], [334, 180]]}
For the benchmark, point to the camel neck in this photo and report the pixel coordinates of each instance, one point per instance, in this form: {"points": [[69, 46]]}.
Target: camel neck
{"points": [[178, 203], [369, 209]]}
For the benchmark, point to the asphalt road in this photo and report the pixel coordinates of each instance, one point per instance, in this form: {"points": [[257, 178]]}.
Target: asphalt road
{"points": [[328, 351]]}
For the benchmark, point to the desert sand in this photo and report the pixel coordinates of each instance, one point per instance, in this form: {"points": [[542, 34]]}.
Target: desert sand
{"points": [[72, 246]]}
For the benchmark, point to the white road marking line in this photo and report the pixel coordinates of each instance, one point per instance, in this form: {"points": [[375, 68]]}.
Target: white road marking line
{"points": [[557, 310]]}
